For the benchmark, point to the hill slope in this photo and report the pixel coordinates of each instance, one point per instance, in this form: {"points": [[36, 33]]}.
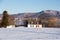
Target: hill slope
{"points": [[45, 13]]}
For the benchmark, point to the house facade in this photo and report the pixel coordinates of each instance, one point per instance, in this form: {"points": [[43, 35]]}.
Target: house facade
{"points": [[34, 22]]}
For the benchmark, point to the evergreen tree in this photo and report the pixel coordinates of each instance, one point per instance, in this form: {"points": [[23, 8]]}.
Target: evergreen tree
{"points": [[5, 18]]}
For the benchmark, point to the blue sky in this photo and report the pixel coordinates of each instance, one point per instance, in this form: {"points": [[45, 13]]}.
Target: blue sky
{"points": [[20, 6]]}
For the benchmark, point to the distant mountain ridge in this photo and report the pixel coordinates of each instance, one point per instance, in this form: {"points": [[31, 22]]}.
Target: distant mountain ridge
{"points": [[45, 13], [51, 13]]}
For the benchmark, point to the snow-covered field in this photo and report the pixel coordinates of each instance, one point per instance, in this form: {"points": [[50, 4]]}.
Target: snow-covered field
{"points": [[29, 33]]}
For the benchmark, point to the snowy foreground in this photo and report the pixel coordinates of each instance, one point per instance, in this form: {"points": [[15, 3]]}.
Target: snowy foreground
{"points": [[29, 33]]}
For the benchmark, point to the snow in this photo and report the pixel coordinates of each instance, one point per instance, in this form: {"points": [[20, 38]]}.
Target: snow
{"points": [[22, 33]]}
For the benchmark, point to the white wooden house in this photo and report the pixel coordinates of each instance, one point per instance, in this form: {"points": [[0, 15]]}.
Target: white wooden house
{"points": [[35, 25], [11, 26]]}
